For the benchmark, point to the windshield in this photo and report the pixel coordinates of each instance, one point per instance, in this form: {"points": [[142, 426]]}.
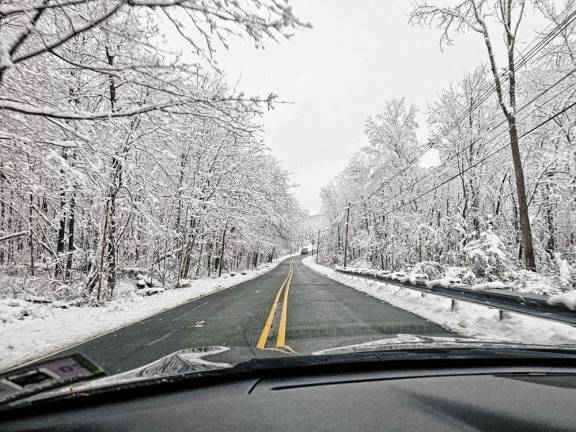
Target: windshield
{"points": [[191, 185]]}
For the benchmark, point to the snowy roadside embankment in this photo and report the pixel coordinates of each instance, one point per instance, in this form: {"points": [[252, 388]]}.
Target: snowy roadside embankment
{"points": [[484, 264], [454, 279], [31, 331], [467, 319]]}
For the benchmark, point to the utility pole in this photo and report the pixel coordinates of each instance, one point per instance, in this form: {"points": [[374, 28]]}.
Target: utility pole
{"points": [[317, 246], [346, 236]]}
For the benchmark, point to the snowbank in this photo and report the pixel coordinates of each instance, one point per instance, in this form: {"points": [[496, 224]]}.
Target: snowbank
{"points": [[519, 280], [466, 319], [568, 299], [31, 331], [489, 285], [487, 265]]}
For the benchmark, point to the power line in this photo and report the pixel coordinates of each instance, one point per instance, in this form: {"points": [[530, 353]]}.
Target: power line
{"points": [[529, 55], [478, 162], [530, 102]]}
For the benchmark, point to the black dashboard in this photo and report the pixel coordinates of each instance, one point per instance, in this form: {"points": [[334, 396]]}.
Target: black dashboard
{"points": [[466, 398]]}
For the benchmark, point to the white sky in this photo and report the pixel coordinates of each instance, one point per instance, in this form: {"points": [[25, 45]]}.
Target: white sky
{"points": [[358, 55]]}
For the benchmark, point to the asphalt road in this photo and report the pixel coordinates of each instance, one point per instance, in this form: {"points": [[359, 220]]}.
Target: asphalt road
{"points": [[289, 309]]}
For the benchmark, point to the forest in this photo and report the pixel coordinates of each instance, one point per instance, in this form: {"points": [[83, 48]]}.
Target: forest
{"points": [[500, 203], [122, 157]]}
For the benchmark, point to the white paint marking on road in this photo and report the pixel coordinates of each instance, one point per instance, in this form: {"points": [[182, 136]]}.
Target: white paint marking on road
{"points": [[160, 338], [188, 311]]}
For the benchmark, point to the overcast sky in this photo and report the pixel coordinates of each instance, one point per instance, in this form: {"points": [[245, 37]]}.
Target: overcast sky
{"points": [[358, 55]]}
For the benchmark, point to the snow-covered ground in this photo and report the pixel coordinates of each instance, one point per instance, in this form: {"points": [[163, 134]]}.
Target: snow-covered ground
{"points": [[31, 331], [458, 277], [467, 319]]}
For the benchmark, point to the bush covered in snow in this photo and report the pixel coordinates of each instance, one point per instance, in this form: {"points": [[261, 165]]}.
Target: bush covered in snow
{"points": [[433, 269], [568, 299], [490, 269], [486, 258], [566, 273]]}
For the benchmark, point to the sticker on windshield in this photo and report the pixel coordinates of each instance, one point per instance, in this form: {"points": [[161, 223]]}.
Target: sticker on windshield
{"points": [[45, 376]]}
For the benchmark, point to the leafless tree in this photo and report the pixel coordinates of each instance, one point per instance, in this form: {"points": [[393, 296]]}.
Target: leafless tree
{"points": [[474, 15]]}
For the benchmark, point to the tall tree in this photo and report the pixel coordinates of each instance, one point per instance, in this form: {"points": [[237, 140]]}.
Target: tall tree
{"points": [[473, 15]]}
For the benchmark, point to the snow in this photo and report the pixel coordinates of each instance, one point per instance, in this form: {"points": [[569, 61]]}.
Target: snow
{"points": [[31, 331], [497, 275], [489, 285], [5, 58], [567, 299], [445, 282], [535, 283], [565, 271], [430, 159], [467, 319], [416, 278], [150, 291], [485, 255]]}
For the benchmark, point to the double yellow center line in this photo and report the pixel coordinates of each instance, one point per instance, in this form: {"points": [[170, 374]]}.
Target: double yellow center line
{"points": [[281, 337]]}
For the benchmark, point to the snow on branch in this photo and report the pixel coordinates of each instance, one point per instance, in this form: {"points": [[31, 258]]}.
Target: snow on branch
{"points": [[459, 18], [12, 235], [67, 114]]}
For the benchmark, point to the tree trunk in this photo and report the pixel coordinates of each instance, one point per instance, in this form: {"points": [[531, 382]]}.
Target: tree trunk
{"points": [[524, 217], [116, 180], [197, 272], [221, 260], [2, 216], [346, 235], [550, 224], [111, 247], [60, 242], [510, 114], [31, 241], [187, 250], [71, 247]]}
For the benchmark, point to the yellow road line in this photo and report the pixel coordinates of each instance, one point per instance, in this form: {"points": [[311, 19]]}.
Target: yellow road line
{"points": [[281, 339], [266, 330]]}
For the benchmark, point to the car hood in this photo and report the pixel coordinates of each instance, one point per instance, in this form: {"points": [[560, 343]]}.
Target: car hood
{"points": [[402, 342], [192, 362], [183, 361], [186, 361]]}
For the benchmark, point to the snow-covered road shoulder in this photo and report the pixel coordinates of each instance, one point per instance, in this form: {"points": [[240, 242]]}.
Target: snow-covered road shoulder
{"points": [[47, 330], [466, 319]]}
